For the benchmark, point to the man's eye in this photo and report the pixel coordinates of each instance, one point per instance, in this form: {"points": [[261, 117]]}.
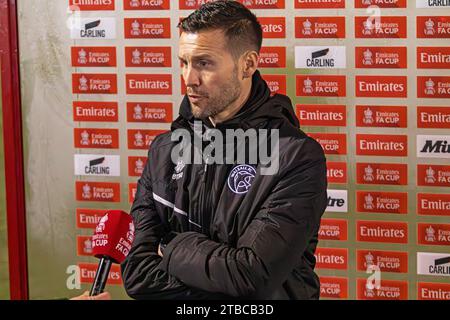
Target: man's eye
{"points": [[203, 63]]}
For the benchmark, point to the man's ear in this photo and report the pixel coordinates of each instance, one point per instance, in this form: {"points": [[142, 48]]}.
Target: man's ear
{"points": [[250, 63]]}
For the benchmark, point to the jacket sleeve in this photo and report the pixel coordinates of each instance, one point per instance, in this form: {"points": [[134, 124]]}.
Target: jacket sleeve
{"points": [[273, 243]]}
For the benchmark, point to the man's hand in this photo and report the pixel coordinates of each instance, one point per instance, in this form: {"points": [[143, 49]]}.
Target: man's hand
{"points": [[86, 296]]}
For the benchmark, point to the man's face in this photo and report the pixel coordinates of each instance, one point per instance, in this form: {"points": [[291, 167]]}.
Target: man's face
{"points": [[210, 72]]}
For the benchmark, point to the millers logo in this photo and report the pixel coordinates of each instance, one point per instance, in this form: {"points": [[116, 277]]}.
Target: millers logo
{"points": [[273, 27], [333, 287], [89, 218], [93, 56], [320, 57], [388, 290], [93, 5], [380, 3], [136, 166], [433, 57], [333, 229], [94, 28], [146, 4], [263, 4], [332, 143], [276, 83], [319, 4], [141, 139], [382, 202], [320, 86], [433, 117], [149, 83], [433, 291], [320, 27], [381, 86], [433, 146], [433, 27], [382, 145], [132, 189], [148, 57], [387, 261], [337, 201], [84, 246], [381, 116], [88, 271], [432, 4], [331, 258], [97, 165], [434, 264], [272, 57], [433, 175], [147, 28], [192, 4], [94, 83], [322, 115], [381, 57], [382, 173], [382, 231], [433, 87], [433, 234], [336, 172], [149, 112], [95, 111], [380, 27], [433, 204], [96, 138], [97, 191]]}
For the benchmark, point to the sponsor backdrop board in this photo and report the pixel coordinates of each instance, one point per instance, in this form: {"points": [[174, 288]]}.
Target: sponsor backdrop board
{"points": [[101, 79]]}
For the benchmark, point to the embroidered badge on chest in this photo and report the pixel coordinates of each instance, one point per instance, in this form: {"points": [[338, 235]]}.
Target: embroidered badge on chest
{"points": [[241, 178], [178, 170]]}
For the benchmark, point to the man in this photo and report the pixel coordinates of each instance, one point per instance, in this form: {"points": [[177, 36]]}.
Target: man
{"points": [[221, 230]]}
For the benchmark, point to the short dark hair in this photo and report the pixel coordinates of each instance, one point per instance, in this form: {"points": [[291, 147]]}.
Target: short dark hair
{"points": [[239, 24]]}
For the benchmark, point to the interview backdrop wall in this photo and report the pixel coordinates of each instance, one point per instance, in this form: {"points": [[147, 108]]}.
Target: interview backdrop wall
{"points": [[371, 85]]}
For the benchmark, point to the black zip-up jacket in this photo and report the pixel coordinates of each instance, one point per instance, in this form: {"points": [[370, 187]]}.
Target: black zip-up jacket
{"points": [[241, 235]]}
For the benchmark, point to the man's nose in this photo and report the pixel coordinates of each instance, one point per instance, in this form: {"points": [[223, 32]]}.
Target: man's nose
{"points": [[191, 77]]}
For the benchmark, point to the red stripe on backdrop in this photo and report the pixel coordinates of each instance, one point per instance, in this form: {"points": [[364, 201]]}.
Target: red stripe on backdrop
{"points": [[12, 130]]}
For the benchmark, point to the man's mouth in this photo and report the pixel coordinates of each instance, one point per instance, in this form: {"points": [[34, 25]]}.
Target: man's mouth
{"points": [[195, 98]]}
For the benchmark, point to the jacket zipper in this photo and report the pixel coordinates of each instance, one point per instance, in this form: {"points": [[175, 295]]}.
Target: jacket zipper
{"points": [[206, 213]]}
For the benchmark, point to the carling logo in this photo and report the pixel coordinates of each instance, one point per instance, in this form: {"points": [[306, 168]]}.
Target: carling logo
{"points": [[382, 145], [273, 27], [263, 4], [320, 57], [96, 138], [433, 234], [381, 116], [433, 204], [319, 4], [381, 3], [382, 231], [146, 4], [84, 246], [97, 165], [159, 57], [132, 188], [432, 175], [387, 261], [381, 86], [429, 146], [433, 87], [382, 202], [322, 115], [149, 83], [382, 173], [433, 57], [333, 287], [97, 191], [94, 83], [337, 201], [94, 28], [147, 28], [336, 172], [320, 86], [151, 112], [433, 27], [331, 258], [333, 229], [433, 4], [433, 291], [389, 290], [433, 264], [96, 111], [433, 117], [88, 271], [93, 5], [320, 27], [381, 57], [141, 138], [332, 143], [136, 166], [93, 56], [89, 218], [383, 27], [272, 57], [276, 83]]}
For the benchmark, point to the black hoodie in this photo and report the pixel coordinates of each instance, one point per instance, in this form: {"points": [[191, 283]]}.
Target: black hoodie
{"points": [[238, 234]]}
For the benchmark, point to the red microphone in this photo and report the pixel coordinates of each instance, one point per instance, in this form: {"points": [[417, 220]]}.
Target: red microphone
{"points": [[111, 243]]}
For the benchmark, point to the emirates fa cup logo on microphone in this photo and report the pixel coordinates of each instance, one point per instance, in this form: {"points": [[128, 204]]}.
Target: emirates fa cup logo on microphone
{"points": [[130, 233], [102, 224]]}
